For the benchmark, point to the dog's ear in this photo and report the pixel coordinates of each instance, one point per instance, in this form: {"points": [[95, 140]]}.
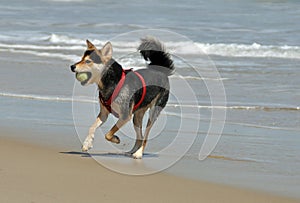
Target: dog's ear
{"points": [[106, 51], [90, 46]]}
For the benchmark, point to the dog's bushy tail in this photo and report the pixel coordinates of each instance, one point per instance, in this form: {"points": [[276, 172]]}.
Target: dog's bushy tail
{"points": [[154, 51]]}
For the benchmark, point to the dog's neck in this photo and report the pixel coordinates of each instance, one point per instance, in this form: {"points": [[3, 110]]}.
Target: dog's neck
{"points": [[110, 79]]}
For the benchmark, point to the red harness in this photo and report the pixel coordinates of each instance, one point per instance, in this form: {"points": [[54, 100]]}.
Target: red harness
{"points": [[118, 88]]}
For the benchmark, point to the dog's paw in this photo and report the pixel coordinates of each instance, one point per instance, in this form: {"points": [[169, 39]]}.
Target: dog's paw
{"points": [[85, 148], [115, 139], [138, 154], [87, 144], [136, 146]]}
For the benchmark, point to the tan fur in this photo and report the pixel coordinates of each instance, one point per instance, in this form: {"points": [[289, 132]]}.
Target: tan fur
{"points": [[96, 71]]}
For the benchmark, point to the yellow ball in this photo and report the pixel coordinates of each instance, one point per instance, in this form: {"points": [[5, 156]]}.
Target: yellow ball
{"points": [[82, 77]]}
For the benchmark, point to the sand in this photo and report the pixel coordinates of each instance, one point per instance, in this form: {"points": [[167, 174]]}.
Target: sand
{"points": [[32, 173]]}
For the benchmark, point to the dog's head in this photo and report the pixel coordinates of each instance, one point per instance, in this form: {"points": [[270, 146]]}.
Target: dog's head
{"points": [[93, 63]]}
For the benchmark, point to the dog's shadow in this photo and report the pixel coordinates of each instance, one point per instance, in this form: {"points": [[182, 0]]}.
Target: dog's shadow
{"points": [[107, 154]]}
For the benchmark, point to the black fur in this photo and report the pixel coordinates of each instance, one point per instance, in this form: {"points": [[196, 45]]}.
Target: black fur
{"points": [[159, 61], [93, 55], [110, 79], [155, 76], [152, 50]]}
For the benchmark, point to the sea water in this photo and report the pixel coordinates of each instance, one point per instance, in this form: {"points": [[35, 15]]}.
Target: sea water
{"points": [[253, 45]]}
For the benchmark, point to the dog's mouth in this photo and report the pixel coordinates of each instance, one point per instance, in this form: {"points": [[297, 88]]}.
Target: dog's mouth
{"points": [[83, 77]]}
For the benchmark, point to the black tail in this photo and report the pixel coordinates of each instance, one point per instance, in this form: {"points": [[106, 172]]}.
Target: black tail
{"points": [[154, 51]]}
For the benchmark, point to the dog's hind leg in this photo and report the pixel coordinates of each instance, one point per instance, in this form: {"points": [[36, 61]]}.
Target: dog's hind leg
{"points": [[137, 124], [101, 118], [157, 106], [153, 115]]}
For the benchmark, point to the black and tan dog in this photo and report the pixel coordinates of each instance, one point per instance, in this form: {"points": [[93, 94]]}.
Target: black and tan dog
{"points": [[127, 94]]}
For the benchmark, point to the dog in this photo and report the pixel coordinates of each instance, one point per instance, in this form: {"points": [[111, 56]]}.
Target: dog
{"points": [[126, 93]]}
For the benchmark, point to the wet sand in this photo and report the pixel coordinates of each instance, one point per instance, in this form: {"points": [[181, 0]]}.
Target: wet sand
{"points": [[32, 173]]}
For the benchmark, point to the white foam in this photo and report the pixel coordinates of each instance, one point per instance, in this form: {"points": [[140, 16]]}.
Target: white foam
{"points": [[40, 47], [239, 107], [90, 100], [63, 39], [48, 98], [64, 42], [251, 50], [263, 126], [43, 54], [35, 97], [196, 78]]}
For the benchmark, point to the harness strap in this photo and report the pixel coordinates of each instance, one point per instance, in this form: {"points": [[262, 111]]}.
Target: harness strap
{"points": [[118, 88], [143, 93]]}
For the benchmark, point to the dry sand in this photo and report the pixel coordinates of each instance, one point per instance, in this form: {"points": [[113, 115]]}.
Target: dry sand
{"points": [[30, 173]]}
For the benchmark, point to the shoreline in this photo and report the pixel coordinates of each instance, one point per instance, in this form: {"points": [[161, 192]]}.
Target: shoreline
{"points": [[33, 173]]}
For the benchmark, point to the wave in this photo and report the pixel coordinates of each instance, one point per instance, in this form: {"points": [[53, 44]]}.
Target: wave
{"points": [[230, 158], [63, 39], [48, 98], [263, 108], [35, 97], [61, 43], [43, 54], [219, 49], [168, 112], [251, 50], [263, 126], [266, 108], [40, 47], [174, 105], [196, 78]]}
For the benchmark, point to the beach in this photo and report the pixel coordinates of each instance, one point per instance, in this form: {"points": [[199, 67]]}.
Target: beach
{"points": [[31, 173], [229, 132]]}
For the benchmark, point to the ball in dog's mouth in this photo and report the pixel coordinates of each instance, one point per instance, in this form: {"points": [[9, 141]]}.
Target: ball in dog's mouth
{"points": [[83, 77]]}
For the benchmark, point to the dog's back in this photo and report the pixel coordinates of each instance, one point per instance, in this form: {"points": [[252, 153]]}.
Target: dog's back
{"points": [[155, 75]]}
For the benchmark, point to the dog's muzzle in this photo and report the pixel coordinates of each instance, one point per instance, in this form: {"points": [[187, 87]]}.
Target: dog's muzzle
{"points": [[73, 67]]}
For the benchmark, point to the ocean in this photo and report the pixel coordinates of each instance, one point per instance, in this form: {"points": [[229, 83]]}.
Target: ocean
{"points": [[237, 80]]}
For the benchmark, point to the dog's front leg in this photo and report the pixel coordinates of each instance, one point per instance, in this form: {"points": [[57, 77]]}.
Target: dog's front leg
{"points": [[88, 142], [110, 136]]}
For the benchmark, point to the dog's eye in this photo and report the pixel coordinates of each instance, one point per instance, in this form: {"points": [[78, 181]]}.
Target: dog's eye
{"points": [[88, 61]]}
